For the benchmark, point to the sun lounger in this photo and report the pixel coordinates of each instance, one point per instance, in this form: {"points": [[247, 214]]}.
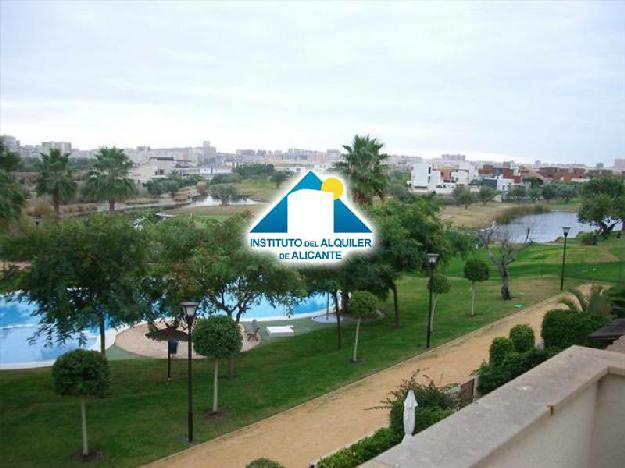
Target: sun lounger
{"points": [[280, 331]]}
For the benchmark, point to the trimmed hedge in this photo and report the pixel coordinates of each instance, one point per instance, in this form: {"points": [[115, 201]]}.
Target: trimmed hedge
{"points": [[499, 349], [264, 463], [522, 337], [563, 328], [424, 417], [363, 450]]}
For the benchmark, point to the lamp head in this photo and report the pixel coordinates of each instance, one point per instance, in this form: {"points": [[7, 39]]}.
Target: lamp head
{"points": [[189, 309], [565, 230], [432, 258]]}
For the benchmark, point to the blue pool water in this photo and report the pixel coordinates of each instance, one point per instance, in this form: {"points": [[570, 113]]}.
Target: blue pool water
{"points": [[17, 325]]}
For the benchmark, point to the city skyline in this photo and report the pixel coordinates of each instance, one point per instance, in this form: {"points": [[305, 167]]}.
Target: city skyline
{"points": [[492, 81]]}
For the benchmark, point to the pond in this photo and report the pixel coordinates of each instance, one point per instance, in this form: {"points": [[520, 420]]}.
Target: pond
{"points": [[212, 201], [18, 325], [545, 227]]}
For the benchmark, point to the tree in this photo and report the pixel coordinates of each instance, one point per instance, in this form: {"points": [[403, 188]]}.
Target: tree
{"points": [[599, 211], [224, 193], [217, 337], [566, 191], [209, 261], [364, 168], [154, 188], [362, 304], [602, 203], [463, 196], [502, 252], [486, 194], [440, 285], [12, 196], [109, 178], [407, 230], [55, 178], [82, 273], [279, 177], [518, 192], [82, 374], [549, 192], [475, 270], [535, 193]]}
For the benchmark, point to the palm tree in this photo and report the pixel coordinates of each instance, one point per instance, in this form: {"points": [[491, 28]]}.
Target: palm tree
{"points": [[364, 168], [55, 178], [596, 302], [12, 196], [108, 180]]}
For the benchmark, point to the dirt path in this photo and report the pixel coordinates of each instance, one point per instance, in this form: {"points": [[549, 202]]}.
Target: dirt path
{"points": [[303, 434]]}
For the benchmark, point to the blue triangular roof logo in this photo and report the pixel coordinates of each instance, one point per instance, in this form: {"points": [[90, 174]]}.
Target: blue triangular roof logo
{"points": [[276, 220]]}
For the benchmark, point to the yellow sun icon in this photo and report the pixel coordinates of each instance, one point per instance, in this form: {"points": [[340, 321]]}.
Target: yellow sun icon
{"points": [[333, 185]]}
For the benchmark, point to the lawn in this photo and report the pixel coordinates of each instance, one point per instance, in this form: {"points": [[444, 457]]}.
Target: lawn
{"points": [[144, 415]]}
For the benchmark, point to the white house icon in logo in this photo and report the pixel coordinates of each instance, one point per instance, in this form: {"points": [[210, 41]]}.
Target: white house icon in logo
{"points": [[312, 224]]}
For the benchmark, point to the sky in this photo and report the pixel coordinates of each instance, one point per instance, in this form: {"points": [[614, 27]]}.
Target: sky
{"points": [[524, 80]]}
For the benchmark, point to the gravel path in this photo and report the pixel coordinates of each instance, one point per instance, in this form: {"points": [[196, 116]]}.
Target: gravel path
{"points": [[320, 426]]}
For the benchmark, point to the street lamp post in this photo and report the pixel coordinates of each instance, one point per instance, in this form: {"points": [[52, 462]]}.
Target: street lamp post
{"points": [[189, 309], [432, 257], [565, 230]]}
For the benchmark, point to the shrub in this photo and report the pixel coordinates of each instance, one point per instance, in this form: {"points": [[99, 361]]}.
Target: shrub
{"points": [[362, 304], [588, 238], [363, 450], [499, 348], [429, 397], [492, 377], [616, 295], [562, 328], [264, 463], [522, 337], [81, 373]]}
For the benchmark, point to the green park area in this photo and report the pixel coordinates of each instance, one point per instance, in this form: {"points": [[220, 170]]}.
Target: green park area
{"points": [[83, 272], [144, 416]]}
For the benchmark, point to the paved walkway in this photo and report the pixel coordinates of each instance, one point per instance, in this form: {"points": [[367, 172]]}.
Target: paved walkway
{"points": [[307, 432]]}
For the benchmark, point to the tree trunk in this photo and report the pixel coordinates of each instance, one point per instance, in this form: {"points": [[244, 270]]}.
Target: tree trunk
{"points": [[434, 297], [83, 413], [472, 299], [102, 334], [395, 306], [505, 287], [337, 311], [355, 355], [215, 383], [344, 302], [57, 205], [112, 205]]}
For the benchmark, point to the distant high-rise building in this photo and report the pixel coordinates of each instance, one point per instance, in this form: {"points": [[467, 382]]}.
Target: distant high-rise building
{"points": [[454, 157], [10, 142], [619, 163], [62, 146]]}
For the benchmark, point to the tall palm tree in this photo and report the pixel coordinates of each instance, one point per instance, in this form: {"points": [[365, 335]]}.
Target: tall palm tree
{"points": [[55, 178], [108, 180], [364, 169], [12, 196], [596, 302]]}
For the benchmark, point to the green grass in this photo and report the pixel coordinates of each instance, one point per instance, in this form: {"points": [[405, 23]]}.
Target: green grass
{"points": [[142, 418], [144, 415]]}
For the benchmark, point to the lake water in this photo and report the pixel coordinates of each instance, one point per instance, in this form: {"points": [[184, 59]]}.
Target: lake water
{"points": [[212, 201], [545, 227]]}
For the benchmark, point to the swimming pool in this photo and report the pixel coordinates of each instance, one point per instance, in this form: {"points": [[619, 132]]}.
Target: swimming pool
{"points": [[17, 325]]}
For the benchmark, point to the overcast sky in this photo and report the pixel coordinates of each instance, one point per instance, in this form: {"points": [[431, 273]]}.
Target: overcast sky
{"points": [[527, 80]]}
